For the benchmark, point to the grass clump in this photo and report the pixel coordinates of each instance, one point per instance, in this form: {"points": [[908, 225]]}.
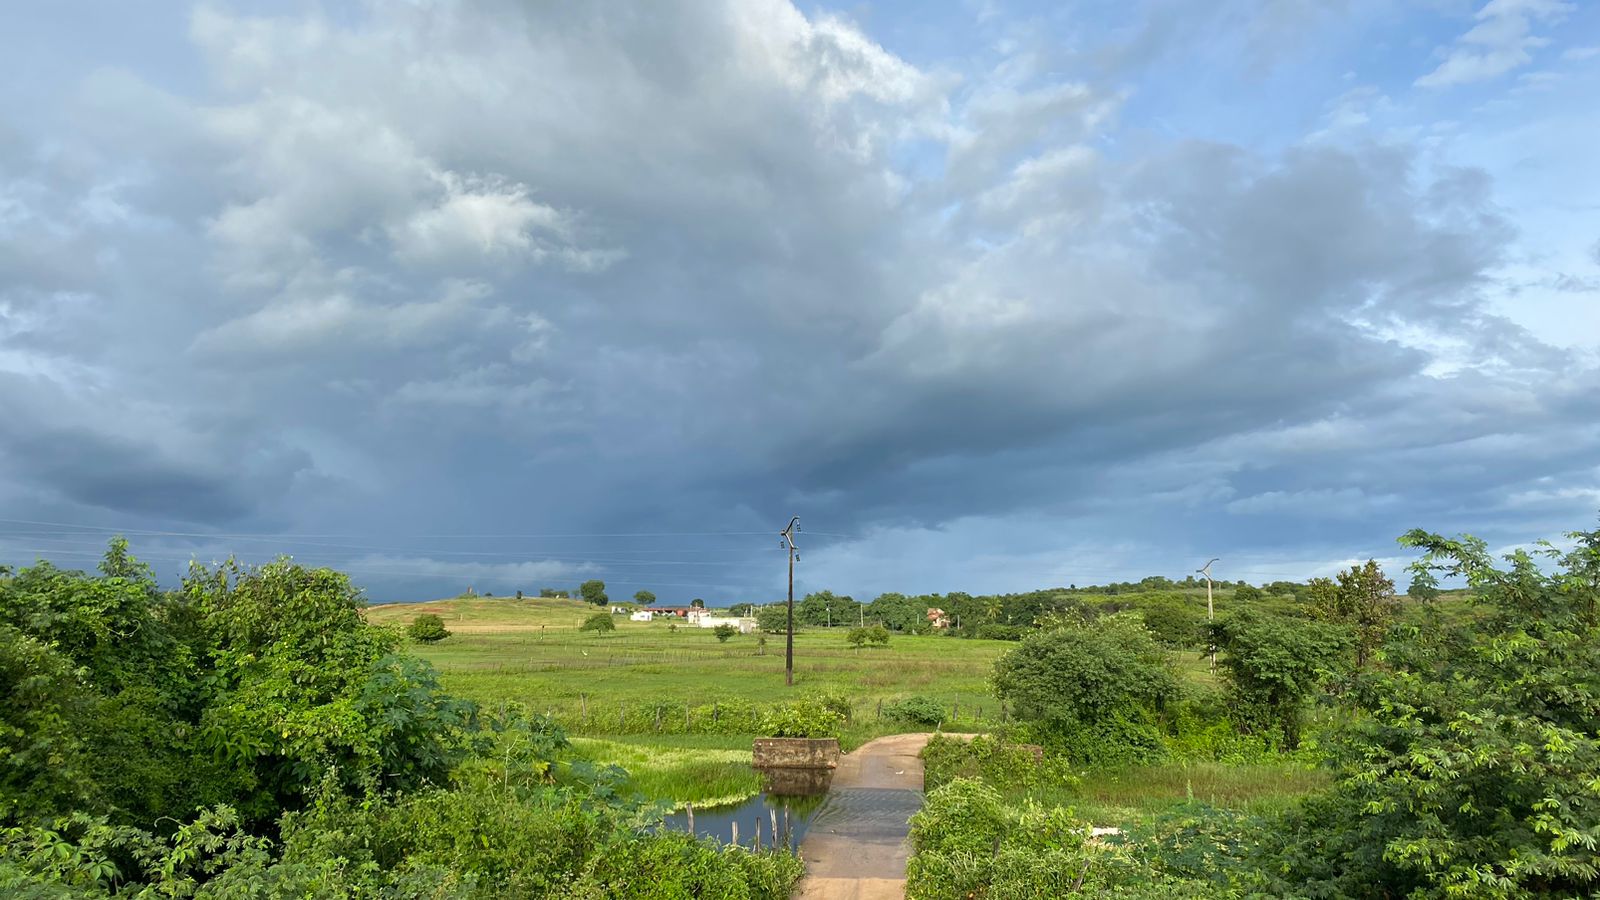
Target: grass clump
{"points": [[698, 775]]}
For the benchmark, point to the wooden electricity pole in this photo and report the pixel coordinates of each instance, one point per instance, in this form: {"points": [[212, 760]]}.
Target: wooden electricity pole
{"points": [[793, 553], [1210, 611]]}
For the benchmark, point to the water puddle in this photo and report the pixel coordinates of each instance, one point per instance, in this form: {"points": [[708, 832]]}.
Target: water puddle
{"points": [[779, 815]]}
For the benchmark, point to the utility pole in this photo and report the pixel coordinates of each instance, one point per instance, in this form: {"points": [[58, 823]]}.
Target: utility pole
{"points": [[793, 553], [1210, 610]]}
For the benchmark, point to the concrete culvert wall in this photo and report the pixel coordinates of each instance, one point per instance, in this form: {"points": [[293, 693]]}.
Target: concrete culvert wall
{"points": [[796, 753]]}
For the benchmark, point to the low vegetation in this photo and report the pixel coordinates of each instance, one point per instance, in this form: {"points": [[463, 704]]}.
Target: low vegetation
{"points": [[250, 735], [1460, 751], [427, 628], [258, 733]]}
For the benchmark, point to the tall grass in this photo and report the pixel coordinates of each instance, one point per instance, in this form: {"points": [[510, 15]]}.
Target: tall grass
{"points": [[698, 775]]}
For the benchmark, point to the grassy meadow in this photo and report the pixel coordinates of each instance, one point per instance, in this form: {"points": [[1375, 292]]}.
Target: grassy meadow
{"points": [[530, 651]]}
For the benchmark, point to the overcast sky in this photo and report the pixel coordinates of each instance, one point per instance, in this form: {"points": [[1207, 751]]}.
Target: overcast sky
{"points": [[997, 297]]}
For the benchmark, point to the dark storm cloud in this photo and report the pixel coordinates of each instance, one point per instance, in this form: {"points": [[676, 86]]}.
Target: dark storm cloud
{"points": [[99, 471], [507, 270]]}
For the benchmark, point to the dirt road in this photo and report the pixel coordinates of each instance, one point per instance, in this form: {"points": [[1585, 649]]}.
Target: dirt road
{"points": [[856, 848]]}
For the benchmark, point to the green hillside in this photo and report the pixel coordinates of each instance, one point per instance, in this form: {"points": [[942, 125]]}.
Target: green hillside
{"points": [[487, 613]]}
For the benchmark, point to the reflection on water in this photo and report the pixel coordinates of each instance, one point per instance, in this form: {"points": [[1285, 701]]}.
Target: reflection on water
{"points": [[796, 782], [789, 798]]}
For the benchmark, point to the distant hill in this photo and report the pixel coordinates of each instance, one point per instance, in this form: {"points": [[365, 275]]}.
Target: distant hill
{"points": [[482, 614]]}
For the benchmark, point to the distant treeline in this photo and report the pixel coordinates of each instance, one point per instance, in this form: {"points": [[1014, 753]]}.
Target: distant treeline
{"points": [[1174, 610]]}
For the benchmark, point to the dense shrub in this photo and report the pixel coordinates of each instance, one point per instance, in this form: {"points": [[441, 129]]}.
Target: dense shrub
{"points": [[1472, 768], [282, 748], [812, 718], [877, 635], [427, 628], [995, 762], [1084, 685], [1272, 666], [997, 632], [599, 623], [924, 711], [774, 619], [724, 632], [966, 843], [1174, 623]]}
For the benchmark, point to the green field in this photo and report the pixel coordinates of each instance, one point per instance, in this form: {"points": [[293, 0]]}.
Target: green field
{"points": [[585, 679], [624, 697]]}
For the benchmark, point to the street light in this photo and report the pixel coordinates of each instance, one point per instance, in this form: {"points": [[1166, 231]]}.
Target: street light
{"points": [[1210, 611]]}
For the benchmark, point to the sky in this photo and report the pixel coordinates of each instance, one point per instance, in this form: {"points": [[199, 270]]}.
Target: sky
{"points": [[994, 296]]}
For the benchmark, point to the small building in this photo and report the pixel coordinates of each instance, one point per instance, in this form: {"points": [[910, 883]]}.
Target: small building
{"points": [[937, 618], [682, 612], [745, 624], [643, 615]]}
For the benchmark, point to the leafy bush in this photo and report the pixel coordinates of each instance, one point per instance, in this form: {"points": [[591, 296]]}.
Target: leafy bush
{"points": [[877, 635], [1131, 739], [994, 761], [723, 632], [599, 623], [924, 711], [427, 628], [1272, 666], [1082, 685], [774, 619], [963, 816], [1174, 623], [967, 843], [1472, 768], [804, 719], [996, 632]]}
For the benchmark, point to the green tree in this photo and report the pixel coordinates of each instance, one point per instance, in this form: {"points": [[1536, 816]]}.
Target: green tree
{"points": [[697, 603], [899, 612], [427, 628], [1272, 666], [307, 689], [599, 623], [594, 591], [1105, 677], [876, 635], [825, 608], [1174, 623], [1362, 599], [1471, 770], [774, 618], [724, 631], [643, 598], [1424, 586]]}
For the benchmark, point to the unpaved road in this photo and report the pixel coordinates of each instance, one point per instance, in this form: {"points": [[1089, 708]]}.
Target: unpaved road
{"points": [[856, 848]]}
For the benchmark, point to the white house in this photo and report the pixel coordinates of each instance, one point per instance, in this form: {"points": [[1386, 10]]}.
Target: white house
{"points": [[643, 615], [745, 624]]}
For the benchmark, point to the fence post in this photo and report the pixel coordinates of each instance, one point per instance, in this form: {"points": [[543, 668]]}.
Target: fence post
{"points": [[880, 707], [686, 716], [689, 808], [622, 717], [658, 718]]}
